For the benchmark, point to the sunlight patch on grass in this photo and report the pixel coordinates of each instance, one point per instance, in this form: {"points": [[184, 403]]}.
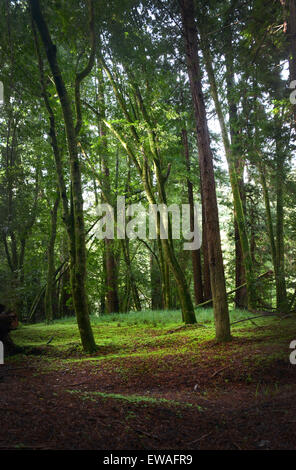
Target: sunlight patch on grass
{"points": [[135, 399]]}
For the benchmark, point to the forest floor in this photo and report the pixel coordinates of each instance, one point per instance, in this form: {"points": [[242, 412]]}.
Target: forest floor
{"points": [[150, 386]]}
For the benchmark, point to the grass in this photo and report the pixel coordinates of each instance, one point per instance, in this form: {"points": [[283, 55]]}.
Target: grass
{"points": [[137, 334], [135, 399], [123, 331], [157, 317]]}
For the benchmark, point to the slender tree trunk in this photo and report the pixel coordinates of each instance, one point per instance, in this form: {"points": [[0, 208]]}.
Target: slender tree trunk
{"points": [[276, 246], [277, 237], [155, 280], [65, 303], [170, 259], [268, 211], [104, 274], [49, 292], [196, 257], [132, 281], [238, 207], [241, 299], [112, 301], [164, 276], [207, 175], [281, 291], [126, 298], [207, 291], [75, 225]]}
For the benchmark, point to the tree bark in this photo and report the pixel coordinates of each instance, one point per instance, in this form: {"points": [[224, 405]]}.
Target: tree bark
{"points": [[281, 291], [112, 301], [207, 175], [195, 254], [49, 293], [231, 159], [75, 226], [155, 282], [132, 281]]}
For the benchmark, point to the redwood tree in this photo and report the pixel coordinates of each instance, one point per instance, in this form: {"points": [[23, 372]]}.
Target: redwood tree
{"points": [[207, 174]]}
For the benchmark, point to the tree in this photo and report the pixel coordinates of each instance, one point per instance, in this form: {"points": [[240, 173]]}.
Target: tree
{"points": [[207, 175], [73, 217]]}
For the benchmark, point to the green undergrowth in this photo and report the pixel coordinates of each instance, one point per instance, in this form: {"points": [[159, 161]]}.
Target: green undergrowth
{"points": [[156, 335]]}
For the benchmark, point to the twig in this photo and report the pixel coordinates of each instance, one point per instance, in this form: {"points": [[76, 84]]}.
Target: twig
{"points": [[200, 438], [146, 433], [80, 383], [218, 371], [236, 445], [258, 316], [185, 327]]}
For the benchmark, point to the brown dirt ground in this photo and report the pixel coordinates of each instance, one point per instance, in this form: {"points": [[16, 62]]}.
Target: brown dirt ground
{"points": [[237, 404]]}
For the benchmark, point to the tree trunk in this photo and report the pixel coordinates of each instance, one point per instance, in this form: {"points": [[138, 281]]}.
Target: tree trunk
{"points": [[75, 226], [65, 308], [49, 292], [290, 21], [281, 291], [164, 277], [132, 281], [240, 298], [112, 302], [195, 254], [155, 280], [207, 175], [231, 158], [207, 291]]}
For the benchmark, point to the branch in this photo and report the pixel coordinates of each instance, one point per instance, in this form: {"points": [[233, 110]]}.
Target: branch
{"points": [[258, 316], [151, 251], [267, 273], [52, 130], [126, 147], [95, 173], [86, 71]]}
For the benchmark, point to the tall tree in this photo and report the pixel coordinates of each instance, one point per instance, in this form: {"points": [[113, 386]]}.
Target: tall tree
{"points": [[232, 160], [73, 216], [207, 174]]}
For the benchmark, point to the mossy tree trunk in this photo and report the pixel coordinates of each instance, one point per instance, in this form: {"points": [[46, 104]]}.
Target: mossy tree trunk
{"points": [[195, 254], [49, 292], [73, 216]]}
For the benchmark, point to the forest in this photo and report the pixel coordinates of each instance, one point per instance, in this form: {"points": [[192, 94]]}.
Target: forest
{"points": [[147, 225]]}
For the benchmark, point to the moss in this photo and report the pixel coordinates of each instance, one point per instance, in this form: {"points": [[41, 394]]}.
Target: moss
{"points": [[135, 399]]}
